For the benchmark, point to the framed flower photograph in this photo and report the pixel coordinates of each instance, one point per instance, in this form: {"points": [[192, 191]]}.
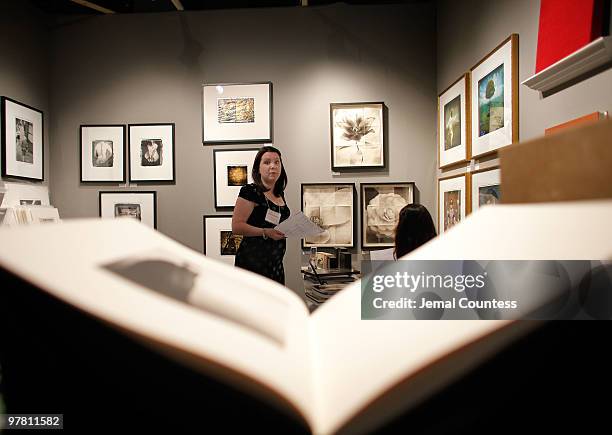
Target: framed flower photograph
{"points": [[151, 152], [357, 135], [452, 201], [140, 205], [102, 150], [381, 204], [494, 99], [219, 241], [22, 141], [332, 207], [454, 123], [232, 171], [486, 187], [236, 113]]}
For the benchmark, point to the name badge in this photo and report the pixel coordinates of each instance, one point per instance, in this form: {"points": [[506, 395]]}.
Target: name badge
{"points": [[273, 217]]}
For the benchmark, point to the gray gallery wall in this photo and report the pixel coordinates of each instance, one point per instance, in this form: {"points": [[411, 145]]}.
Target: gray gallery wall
{"points": [[141, 68]]}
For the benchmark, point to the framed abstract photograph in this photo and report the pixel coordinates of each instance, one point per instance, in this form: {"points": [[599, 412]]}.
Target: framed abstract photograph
{"points": [[236, 113], [381, 204], [454, 123], [486, 187], [140, 205], [494, 99], [219, 241], [151, 152], [22, 141], [232, 171], [102, 153], [452, 201], [357, 135], [332, 207]]}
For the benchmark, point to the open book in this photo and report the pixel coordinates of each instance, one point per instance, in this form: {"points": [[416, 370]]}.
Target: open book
{"points": [[118, 282]]}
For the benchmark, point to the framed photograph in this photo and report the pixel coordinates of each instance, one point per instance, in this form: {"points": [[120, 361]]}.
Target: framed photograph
{"points": [[381, 204], [22, 141], [452, 201], [236, 113], [486, 187], [494, 98], [151, 152], [219, 241], [357, 135], [139, 205], [454, 123], [232, 171], [332, 207], [102, 153]]}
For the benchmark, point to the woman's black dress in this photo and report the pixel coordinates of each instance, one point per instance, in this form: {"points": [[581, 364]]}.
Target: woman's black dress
{"points": [[264, 257]]}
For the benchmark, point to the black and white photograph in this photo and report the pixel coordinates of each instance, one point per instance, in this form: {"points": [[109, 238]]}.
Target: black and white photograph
{"points": [[232, 170], [219, 242], [102, 154], [151, 150], [24, 141], [140, 205], [102, 148], [128, 210]]}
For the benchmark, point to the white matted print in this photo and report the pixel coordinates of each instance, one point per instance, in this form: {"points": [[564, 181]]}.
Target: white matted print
{"points": [[452, 202], [219, 241], [453, 123], [102, 153], [141, 206], [151, 152], [486, 188], [232, 171], [22, 141]]}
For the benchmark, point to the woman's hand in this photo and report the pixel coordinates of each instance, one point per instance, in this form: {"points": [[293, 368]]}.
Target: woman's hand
{"points": [[274, 234]]}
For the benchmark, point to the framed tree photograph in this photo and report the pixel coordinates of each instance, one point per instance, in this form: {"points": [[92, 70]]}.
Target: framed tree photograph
{"points": [[454, 123], [151, 152], [381, 204], [22, 141], [486, 187], [494, 99], [452, 201], [233, 170], [332, 207], [140, 205], [357, 135], [236, 113], [219, 241], [102, 150]]}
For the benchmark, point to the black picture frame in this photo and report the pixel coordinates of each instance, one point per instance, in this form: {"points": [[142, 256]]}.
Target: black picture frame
{"points": [[222, 197], [220, 256], [139, 173], [102, 180], [104, 212]]}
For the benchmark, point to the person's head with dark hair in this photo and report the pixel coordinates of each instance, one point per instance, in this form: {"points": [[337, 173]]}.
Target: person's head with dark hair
{"points": [[268, 170], [415, 227]]}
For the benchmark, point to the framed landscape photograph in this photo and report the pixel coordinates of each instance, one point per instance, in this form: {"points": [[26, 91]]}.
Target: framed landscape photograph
{"points": [[381, 204], [486, 187], [494, 99], [140, 205], [357, 135], [332, 207], [219, 241], [232, 171], [236, 113], [151, 152], [102, 150], [22, 141], [454, 123], [452, 201]]}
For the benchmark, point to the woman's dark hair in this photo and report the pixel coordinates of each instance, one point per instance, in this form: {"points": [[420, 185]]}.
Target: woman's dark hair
{"points": [[415, 227], [281, 183]]}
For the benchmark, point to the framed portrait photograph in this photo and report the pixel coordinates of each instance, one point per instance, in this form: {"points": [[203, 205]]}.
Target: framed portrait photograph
{"points": [[236, 113], [151, 152], [486, 187], [381, 204], [139, 205], [494, 99], [102, 153], [454, 123], [357, 135], [452, 201], [22, 141], [332, 207], [219, 241], [232, 171]]}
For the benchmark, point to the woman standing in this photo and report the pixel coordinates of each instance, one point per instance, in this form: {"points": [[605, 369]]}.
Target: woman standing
{"points": [[260, 207]]}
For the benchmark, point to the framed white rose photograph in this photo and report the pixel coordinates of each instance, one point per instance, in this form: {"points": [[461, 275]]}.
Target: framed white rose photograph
{"points": [[380, 207]]}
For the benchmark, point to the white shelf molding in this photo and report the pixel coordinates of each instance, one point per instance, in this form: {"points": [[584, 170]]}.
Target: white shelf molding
{"points": [[582, 61]]}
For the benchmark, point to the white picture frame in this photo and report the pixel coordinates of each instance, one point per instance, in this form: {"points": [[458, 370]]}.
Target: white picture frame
{"points": [[102, 148], [454, 136], [141, 205], [219, 242], [485, 185], [450, 191], [232, 170], [151, 150]]}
